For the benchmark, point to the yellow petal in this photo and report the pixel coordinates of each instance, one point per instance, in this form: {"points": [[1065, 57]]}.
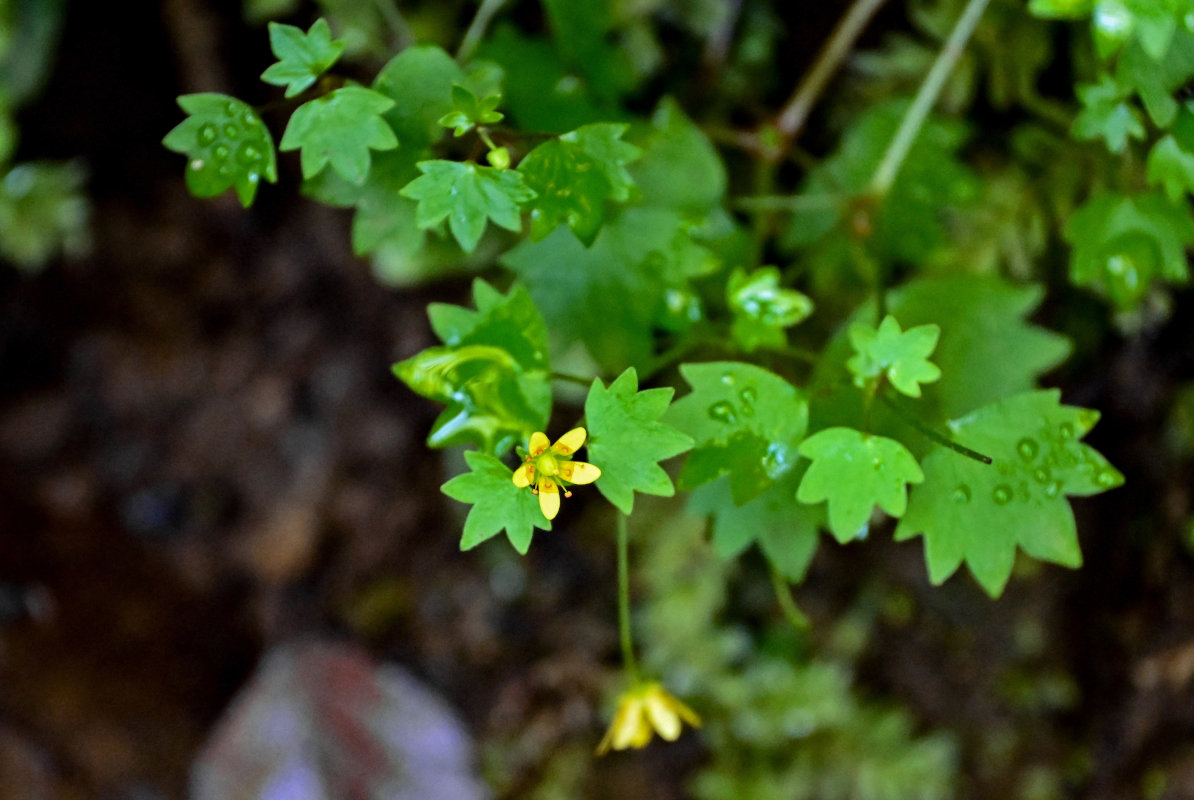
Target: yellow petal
{"points": [[663, 716], [578, 472], [570, 442], [538, 443], [549, 498], [524, 475], [629, 728]]}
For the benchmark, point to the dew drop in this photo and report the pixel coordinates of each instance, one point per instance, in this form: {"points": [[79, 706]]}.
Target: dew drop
{"points": [[220, 152], [723, 412], [727, 378], [1053, 489], [1002, 494], [962, 493], [748, 396], [1027, 448], [1042, 475], [249, 118], [230, 108], [231, 131], [1066, 431], [1107, 479], [225, 170], [775, 462], [247, 154], [207, 135]]}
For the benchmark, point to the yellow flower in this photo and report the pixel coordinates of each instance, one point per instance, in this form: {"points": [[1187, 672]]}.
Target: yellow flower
{"points": [[643, 710], [552, 468]]}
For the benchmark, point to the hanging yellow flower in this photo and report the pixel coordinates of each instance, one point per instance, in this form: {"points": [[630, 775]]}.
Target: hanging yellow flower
{"points": [[550, 468], [644, 710]]}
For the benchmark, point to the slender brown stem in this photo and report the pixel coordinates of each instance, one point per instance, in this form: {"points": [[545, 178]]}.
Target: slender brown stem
{"points": [[839, 44]]}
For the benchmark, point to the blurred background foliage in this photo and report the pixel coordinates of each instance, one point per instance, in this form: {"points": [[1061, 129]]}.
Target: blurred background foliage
{"points": [[202, 456]]}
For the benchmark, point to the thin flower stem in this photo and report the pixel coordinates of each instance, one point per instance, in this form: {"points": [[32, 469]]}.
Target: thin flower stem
{"points": [[403, 37], [926, 97], [476, 29], [783, 596], [795, 113], [939, 438], [628, 659], [578, 380]]}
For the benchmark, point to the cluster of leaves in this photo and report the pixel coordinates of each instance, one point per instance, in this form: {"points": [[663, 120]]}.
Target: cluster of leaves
{"points": [[43, 212], [920, 400]]}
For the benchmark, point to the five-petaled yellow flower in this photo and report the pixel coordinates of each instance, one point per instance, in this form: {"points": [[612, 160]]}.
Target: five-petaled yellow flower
{"points": [[550, 468], [644, 710]]}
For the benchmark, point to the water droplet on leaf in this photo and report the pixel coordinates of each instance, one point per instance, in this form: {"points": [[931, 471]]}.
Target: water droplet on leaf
{"points": [[727, 378], [1027, 448], [1002, 494], [1066, 431], [231, 131], [1053, 489], [1042, 475], [962, 493], [247, 154], [723, 412], [207, 135], [220, 152]]}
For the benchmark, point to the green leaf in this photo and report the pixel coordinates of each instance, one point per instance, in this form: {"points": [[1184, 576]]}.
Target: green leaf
{"points": [[510, 321], [978, 514], [228, 146], [910, 223], [43, 213], [497, 503], [302, 58], [1121, 244], [762, 309], [419, 80], [626, 439], [469, 112], [1171, 161], [785, 530], [680, 167], [901, 356], [1151, 22], [1106, 115], [340, 128], [611, 296], [467, 194], [1061, 9], [491, 374], [854, 472], [573, 176], [1156, 81], [744, 420]]}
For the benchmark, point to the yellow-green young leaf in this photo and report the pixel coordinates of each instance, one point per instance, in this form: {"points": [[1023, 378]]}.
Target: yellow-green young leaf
{"points": [[467, 195], [627, 440], [1155, 81], [497, 503], [1060, 9], [491, 374], [901, 356], [468, 111], [744, 420], [1171, 161], [302, 57], [227, 144], [1150, 22], [340, 128], [786, 531], [855, 472], [1121, 244], [763, 309], [979, 513]]}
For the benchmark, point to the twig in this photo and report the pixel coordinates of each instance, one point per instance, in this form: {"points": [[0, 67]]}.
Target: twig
{"points": [[940, 439], [926, 97], [795, 113]]}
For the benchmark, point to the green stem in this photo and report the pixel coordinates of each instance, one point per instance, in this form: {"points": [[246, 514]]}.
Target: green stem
{"points": [[628, 659], [795, 113], [926, 97], [939, 438], [578, 380], [403, 37], [476, 29], [783, 202], [783, 596]]}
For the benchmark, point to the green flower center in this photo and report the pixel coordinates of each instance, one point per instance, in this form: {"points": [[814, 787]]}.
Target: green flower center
{"points": [[547, 465]]}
